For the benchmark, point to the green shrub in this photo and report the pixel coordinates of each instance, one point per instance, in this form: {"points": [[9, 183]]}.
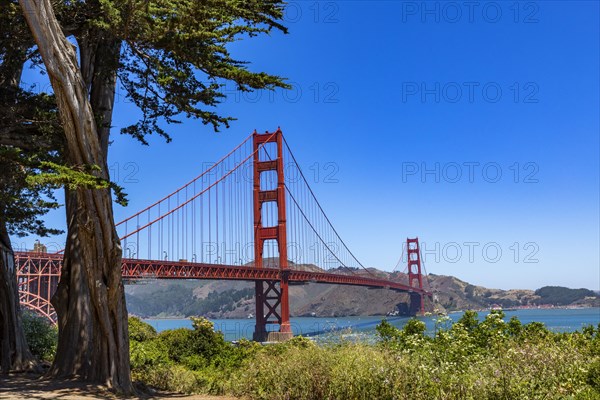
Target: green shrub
{"points": [[140, 331], [515, 327], [41, 335], [493, 359], [205, 341], [412, 334], [414, 327], [177, 343], [469, 320], [593, 375], [535, 330], [292, 373], [185, 360], [386, 331], [174, 378], [148, 354], [194, 348]]}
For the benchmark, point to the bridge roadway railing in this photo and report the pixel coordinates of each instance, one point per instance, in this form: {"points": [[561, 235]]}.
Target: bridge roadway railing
{"points": [[136, 269], [155, 269]]}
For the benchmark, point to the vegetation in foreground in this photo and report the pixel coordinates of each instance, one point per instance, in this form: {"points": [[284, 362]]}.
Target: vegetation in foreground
{"points": [[42, 337], [491, 359]]}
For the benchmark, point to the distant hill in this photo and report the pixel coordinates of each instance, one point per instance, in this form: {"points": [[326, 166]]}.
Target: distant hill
{"points": [[454, 294], [235, 299], [561, 296]]}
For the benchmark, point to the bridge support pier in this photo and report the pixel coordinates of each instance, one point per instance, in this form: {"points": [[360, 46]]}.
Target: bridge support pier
{"points": [[272, 300], [272, 307], [417, 304]]}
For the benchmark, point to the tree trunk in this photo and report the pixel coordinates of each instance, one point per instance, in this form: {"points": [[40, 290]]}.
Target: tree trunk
{"points": [[14, 352], [90, 300]]}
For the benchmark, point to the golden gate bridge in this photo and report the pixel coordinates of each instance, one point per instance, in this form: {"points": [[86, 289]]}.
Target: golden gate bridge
{"points": [[251, 216]]}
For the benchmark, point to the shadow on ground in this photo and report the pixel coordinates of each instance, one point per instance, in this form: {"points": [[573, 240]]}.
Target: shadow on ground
{"points": [[33, 386]]}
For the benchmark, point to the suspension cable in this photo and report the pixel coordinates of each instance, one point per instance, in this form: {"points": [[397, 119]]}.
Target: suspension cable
{"points": [[322, 212]]}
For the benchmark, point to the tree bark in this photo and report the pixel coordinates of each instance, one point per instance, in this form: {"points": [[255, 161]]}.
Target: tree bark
{"points": [[100, 53], [90, 301], [14, 352]]}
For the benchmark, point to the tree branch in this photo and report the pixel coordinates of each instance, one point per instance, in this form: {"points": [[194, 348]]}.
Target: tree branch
{"points": [[28, 137]]}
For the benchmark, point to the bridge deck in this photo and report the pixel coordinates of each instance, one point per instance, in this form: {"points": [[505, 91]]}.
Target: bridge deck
{"points": [[33, 264]]}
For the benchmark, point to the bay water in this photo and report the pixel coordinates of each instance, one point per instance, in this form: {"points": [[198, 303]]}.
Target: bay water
{"points": [[559, 320]]}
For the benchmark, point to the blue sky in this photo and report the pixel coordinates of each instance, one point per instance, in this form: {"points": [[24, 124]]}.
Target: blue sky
{"points": [[475, 129]]}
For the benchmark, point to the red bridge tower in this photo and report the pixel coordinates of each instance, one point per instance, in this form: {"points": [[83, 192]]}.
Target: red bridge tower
{"points": [[415, 277], [272, 301]]}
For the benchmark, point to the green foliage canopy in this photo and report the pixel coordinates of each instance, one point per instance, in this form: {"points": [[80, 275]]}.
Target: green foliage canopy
{"points": [[173, 55]]}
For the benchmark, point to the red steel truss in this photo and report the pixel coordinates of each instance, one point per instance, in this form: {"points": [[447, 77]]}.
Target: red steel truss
{"points": [[38, 276], [150, 269]]}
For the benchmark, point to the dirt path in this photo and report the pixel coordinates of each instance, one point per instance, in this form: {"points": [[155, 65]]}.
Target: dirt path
{"points": [[28, 386]]}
